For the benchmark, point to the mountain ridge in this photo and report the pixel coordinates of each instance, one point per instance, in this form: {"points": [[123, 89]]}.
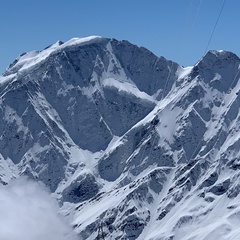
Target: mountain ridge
{"points": [[125, 140]]}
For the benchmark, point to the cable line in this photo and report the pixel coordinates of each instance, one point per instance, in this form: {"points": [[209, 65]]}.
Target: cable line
{"points": [[209, 41], [215, 26], [197, 14]]}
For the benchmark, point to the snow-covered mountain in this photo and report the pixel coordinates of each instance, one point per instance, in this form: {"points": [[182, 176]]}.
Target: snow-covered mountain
{"points": [[133, 146]]}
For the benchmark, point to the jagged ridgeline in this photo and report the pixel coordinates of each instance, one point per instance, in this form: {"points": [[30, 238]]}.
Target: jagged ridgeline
{"points": [[133, 146]]}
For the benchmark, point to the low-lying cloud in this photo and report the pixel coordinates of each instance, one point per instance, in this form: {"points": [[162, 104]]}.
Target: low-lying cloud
{"points": [[27, 212]]}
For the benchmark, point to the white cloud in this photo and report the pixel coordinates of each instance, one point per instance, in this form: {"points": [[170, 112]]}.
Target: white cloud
{"points": [[27, 212]]}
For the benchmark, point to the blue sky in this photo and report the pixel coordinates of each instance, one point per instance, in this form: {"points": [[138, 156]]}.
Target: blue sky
{"points": [[179, 30]]}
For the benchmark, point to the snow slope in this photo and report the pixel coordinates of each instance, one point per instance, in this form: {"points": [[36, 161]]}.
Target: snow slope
{"points": [[128, 143]]}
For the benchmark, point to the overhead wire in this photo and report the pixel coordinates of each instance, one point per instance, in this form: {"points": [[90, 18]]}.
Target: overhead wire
{"points": [[211, 36], [189, 10], [166, 84], [215, 26], [195, 19], [197, 13], [209, 41]]}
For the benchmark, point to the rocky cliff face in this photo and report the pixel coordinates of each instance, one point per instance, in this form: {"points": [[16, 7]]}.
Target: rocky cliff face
{"points": [[129, 143]]}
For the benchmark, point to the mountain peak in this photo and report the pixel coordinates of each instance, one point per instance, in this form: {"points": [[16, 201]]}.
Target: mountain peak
{"points": [[85, 40], [219, 68], [27, 60], [222, 53], [216, 56]]}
